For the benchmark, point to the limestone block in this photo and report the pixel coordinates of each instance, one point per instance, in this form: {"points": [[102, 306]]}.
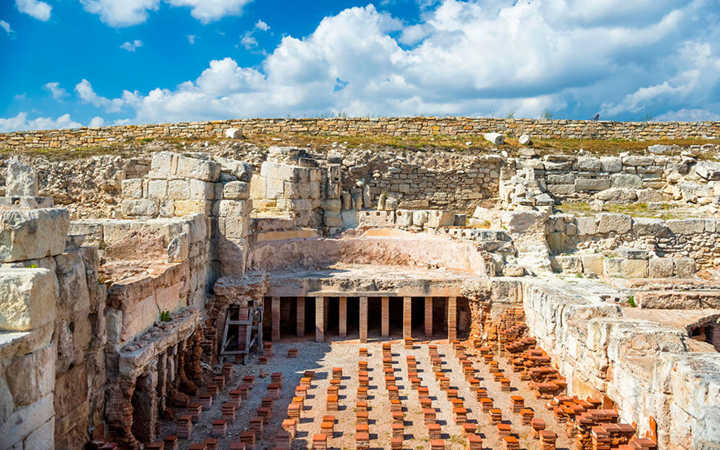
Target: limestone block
{"points": [[132, 188], [686, 226], [561, 189], [28, 298], [643, 226], [143, 207], [233, 133], [617, 195], [592, 264], [612, 267], [232, 254], [522, 220], [708, 170], [617, 223], [236, 190], [73, 293], [178, 189], [626, 180], [525, 140], [611, 164], [179, 248], [157, 189], [403, 217], [32, 376], [420, 218], [27, 202], [201, 190], [638, 161], [166, 208], [163, 165], [190, 207], [569, 263], [376, 218], [437, 218], [257, 187], [233, 208], [199, 169], [495, 138], [635, 268], [32, 234], [26, 420], [589, 164], [633, 253], [661, 268], [20, 180], [237, 227], [649, 196], [684, 267], [591, 184], [274, 188]]}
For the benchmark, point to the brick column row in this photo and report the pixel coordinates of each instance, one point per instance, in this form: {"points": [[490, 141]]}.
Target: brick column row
{"points": [[452, 318]]}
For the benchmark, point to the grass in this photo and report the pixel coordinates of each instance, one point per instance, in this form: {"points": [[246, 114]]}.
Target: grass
{"points": [[663, 211]]}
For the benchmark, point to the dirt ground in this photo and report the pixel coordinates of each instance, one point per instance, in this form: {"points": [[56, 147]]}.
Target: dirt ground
{"points": [[322, 357]]}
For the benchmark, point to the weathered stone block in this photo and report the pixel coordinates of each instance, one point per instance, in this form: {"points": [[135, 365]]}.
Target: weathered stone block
{"points": [[403, 217], [708, 170], [617, 223], [132, 188], [626, 180], [236, 190], [200, 169], [591, 184], [635, 268], [32, 234], [20, 180], [157, 189], [333, 219], [28, 298], [233, 208], [189, 207], [612, 267], [163, 165], [592, 264], [73, 294], [178, 190], [438, 219], [611, 164], [684, 267], [561, 189], [235, 227], [589, 164], [686, 226], [143, 207], [661, 268], [643, 226], [201, 190]]}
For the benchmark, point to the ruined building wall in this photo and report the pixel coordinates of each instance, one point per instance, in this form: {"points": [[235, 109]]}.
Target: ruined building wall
{"points": [[401, 126], [643, 367]]}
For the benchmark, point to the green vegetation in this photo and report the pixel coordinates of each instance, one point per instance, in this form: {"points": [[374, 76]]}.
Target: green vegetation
{"points": [[663, 211], [165, 316], [631, 301]]}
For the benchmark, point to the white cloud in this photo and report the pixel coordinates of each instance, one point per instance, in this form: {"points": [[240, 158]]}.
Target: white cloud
{"points": [[248, 41], [210, 10], [191, 39], [5, 26], [132, 46], [689, 115], [21, 122], [262, 26], [87, 94], [96, 122], [35, 8], [465, 57], [55, 89], [121, 13]]}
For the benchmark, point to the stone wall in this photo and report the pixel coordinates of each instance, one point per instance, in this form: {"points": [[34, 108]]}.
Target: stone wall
{"points": [[413, 126], [641, 366], [635, 247]]}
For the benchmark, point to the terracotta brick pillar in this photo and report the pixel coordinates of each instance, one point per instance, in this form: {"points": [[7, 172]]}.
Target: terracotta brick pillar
{"points": [[385, 316], [275, 318], [407, 317], [452, 318], [301, 316], [428, 316], [319, 319], [363, 319], [342, 317]]}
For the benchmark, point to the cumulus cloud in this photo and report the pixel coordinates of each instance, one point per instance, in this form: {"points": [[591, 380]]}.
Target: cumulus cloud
{"points": [[55, 89], [689, 115], [495, 57], [262, 26], [248, 41], [210, 10], [5, 26], [131, 46], [191, 39], [35, 8], [21, 123], [121, 13], [96, 122]]}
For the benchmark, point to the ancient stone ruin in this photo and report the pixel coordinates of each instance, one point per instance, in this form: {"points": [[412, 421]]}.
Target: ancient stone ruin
{"points": [[225, 294]]}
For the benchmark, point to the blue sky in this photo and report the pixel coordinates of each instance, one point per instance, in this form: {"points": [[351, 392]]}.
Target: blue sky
{"points": [[71, 63]]}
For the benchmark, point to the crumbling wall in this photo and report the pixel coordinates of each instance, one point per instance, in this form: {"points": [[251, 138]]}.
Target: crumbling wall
{"points": [[641, 366], [398, 126]]}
